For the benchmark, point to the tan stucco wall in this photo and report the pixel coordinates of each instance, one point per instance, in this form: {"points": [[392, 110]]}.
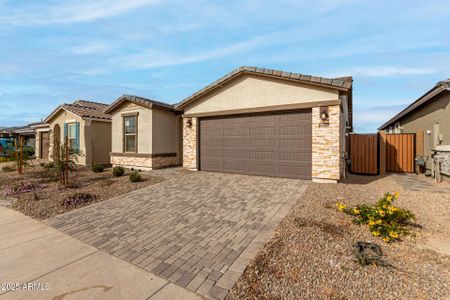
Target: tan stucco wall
{"points": [[165, 132], [144, 127], [67, 117], [99, 135], [436, 111], [158, 133], [249, 93]]}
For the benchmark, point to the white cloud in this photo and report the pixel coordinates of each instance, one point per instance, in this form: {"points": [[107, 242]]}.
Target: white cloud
{"points": [[157, 58], [380, 71], [90, 48], [71, 11]]}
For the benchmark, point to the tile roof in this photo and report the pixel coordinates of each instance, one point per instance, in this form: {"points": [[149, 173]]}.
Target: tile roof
{"points": [[341, 83], [84, 109], [440, 87], [138, 100]]}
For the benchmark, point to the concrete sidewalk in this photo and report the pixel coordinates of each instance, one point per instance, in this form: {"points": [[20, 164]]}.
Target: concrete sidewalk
{"points": [[57, 266]]}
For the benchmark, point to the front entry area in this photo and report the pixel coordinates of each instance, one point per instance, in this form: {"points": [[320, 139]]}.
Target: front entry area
{"points": [[270, 144]]}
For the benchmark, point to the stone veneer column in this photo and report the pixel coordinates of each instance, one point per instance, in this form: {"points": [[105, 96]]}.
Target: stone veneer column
{"points": [[190, 143], [326, 145]]}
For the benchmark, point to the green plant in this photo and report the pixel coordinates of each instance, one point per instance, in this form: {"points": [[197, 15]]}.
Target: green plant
{"points": [[384, 219], [135, 177], [65, 160], [98, 168], [48, 165], [118, 171], [8, 168]]}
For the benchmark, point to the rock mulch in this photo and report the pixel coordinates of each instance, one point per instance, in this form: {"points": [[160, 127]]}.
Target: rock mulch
{"points": [[310, 254], [48, 201]]}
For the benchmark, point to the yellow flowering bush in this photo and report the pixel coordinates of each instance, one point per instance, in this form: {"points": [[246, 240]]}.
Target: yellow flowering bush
{"points": [[383, 219]]}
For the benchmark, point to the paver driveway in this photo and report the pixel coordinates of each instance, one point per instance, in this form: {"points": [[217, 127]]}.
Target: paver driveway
{"points": [[199, 230]]}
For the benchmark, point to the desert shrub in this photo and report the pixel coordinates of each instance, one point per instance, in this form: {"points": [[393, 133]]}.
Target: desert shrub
{"points": [[8, 168], [98, 168], [368, 253], [118, 171], [23, 187], [384, 219], [78, 199], [135, 177], [48, 165]]}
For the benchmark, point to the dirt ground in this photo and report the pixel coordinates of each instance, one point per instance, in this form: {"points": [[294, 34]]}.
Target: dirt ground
{"points": [[49, 197], [310, 255]]}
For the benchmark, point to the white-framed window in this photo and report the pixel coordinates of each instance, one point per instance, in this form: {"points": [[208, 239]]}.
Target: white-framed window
{"points": [[130, 133], [72, 135]]}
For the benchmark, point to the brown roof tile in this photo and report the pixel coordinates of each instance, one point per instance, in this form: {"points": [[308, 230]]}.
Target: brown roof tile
{"points": [[138, 100], [84, 109]]}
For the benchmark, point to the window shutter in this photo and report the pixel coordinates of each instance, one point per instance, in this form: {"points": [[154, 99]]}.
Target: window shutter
{"points": [[66, 130], [77, 137]]}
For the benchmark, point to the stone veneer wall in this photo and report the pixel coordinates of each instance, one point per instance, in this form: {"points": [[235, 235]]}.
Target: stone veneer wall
{"points": [[144, 162], [190, 143], [164, 161], [326, 148]]}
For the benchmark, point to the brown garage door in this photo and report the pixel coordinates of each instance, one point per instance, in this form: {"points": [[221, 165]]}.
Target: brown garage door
{"points": [[275, 144]]}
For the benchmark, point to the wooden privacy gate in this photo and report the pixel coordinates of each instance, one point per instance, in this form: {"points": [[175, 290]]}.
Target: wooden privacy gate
{"points": [[400, 152], [364, 153], [376, 153]]}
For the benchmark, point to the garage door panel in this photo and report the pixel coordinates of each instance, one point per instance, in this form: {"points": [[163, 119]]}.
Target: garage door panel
{"points": [[236, 167], [259, 168], [264, 155], [264, 143], [213, 165], [235, 142], [276, 144], [236, 154], [235, 131], [293, 171]]}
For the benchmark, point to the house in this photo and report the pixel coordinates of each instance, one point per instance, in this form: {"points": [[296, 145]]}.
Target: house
{"points": [[42, 139], [268, 122], [429, 115], [146, 134], [87, 127], [16, 134]]}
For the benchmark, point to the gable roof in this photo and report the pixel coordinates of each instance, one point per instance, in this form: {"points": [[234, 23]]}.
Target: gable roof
{"points": [[341, 83], [149, 103], [83, 109], [440, 87]]}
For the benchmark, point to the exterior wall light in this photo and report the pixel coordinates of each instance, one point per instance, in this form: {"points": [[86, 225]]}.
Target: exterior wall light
{"points": [[189, 122], [324, 116]]}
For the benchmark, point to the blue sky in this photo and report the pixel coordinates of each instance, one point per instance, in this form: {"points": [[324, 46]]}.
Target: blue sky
{"points": [[56, 51]]}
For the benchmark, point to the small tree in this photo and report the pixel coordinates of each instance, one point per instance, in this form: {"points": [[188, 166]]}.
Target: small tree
{"points": [[19, 153], [65, 160]]}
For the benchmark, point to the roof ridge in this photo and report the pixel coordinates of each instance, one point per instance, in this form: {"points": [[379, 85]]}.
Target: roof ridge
{"points": [[95, 102]]}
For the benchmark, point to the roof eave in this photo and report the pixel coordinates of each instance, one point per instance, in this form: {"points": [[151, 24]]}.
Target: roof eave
{"points": [[436, 90], [244, 70]]}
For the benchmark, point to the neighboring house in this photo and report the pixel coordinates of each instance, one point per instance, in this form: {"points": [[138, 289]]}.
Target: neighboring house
{"points": [[87, 127], [429, 114], [146, 134], [268, 122], [15, 134], [42, 137]]}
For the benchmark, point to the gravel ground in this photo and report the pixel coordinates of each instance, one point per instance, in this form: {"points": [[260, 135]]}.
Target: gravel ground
{"points": [[47, 202], [310, 254]]}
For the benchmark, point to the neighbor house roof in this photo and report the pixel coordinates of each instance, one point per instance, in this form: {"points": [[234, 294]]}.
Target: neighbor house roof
{"points": [[83, 109], [440, 87], [341, 83], [149, 103]]}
